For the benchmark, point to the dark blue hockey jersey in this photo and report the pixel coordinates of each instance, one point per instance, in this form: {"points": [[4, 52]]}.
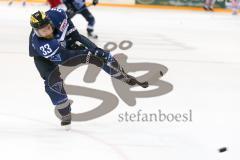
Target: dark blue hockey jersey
{"points": [[48, 48]]}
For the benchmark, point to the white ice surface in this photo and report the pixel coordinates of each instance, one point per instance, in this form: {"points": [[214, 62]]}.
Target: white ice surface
{"points": [[201, 52]]}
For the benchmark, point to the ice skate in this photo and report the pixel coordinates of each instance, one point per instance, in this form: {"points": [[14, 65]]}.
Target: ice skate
{"points": [[66, 122]]}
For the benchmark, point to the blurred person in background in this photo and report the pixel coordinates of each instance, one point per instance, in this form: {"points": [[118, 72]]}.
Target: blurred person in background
{"points": [[54, 3], [208, 5], [235, 4], [79, 7]]}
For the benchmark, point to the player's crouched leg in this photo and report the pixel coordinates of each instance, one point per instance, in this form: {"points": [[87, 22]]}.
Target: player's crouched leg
{"points": [[54, 87], [58, 96], [64, 110]]}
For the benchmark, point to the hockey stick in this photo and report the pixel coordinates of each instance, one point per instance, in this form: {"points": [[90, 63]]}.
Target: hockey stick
{"points": [[146, 83]]}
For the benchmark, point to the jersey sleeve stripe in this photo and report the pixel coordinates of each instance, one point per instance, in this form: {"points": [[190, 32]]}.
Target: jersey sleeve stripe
{"points": [[63, 34]]}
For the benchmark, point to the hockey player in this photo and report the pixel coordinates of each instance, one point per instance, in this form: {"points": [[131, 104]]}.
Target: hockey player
{"points": [[235, 6], [55, 41], [79, 7]]}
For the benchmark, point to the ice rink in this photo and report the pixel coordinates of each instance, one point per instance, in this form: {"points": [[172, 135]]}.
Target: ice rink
{"points": [[201, 53]]}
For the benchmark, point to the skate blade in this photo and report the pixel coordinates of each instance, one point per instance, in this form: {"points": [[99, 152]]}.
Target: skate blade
{"points": [[67, 127]]}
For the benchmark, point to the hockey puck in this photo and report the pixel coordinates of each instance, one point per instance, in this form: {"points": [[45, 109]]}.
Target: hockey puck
{"points": [[223, 149]]}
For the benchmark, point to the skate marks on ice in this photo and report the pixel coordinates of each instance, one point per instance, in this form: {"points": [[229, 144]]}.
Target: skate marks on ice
{"points": [[124, 91]]}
